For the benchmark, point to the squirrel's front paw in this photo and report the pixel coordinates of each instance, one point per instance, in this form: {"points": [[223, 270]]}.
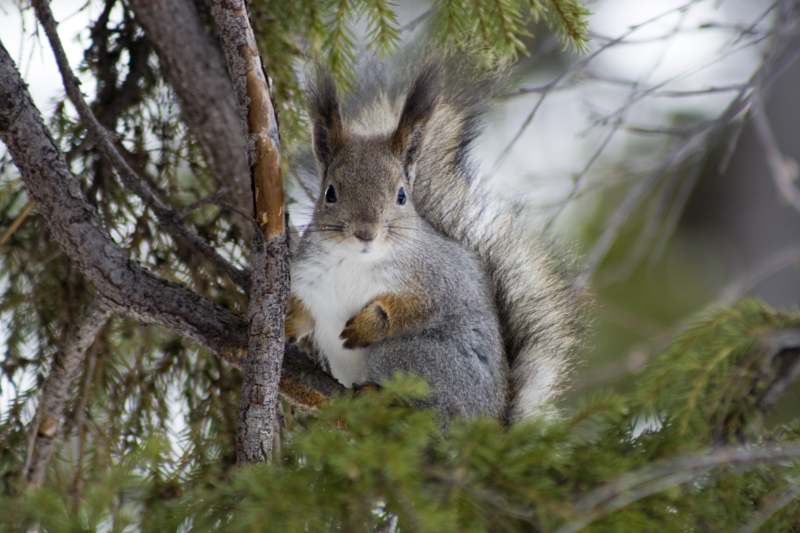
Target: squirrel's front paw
{"points": [[369, 326]]}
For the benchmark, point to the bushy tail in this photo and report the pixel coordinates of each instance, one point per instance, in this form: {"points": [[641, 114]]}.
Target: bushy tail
{"points": [[539, 311]]}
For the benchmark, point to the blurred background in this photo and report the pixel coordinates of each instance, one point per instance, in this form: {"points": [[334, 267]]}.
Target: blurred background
{"points": [[664, 156]]}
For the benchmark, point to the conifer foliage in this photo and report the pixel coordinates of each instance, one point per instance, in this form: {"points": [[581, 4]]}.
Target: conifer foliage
{"points": [[616, 463], [140, 433]]}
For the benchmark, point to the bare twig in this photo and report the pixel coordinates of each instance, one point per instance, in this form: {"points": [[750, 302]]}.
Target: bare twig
{"points": [[269, 291], [692, 144], [784, 170], [575, 71], [629, 204], [18, 222], [47, 424], [767, 268], [658, 476], [166, 215]]}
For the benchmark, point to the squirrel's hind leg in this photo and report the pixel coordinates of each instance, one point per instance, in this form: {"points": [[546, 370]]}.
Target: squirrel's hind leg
{"points": [[465, 379]]}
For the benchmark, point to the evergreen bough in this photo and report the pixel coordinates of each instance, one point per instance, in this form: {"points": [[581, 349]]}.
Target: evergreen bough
{"points": [[650, 460]]}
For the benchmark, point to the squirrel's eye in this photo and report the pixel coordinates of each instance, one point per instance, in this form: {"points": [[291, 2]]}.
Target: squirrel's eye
{"points": [[401, 196], [330, 195]]}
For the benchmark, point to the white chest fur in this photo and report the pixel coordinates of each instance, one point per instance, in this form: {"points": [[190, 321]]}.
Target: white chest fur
{"points": [[334, 288]]}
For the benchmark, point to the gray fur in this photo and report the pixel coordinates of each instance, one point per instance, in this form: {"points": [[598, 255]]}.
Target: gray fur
{"points": [[500, 269], [459, 349]]}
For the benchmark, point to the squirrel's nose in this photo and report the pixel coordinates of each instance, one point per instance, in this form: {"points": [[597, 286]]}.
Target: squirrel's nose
{"points": [[365, 234]]}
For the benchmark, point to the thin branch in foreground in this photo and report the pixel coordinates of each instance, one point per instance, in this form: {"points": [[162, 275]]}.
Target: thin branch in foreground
{"points": [[784, 170], [646, 481], [269, 287], [773, 507], [48, 422], [166, 215]]}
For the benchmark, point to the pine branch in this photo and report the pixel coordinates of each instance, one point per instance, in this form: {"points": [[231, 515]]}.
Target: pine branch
{"points": [[165, 214], [269, 288], [194, 66], [383, 29], [339, 43], [569, 19], [659, 476], [47, 425], [130, 289]]}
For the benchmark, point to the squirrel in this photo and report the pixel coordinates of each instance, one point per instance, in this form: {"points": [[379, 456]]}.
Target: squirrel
{"points": [[409, 264]]}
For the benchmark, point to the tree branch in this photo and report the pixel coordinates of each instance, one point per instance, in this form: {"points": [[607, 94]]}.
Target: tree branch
{"points": [[47, 424], [129, 288], [661, 475], [166, 215], [195, 68], [270, 278], [75, 226], [784, 170]]}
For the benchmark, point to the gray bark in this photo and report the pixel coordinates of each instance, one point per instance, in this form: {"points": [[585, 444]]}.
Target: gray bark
{"points": [[261, 369], [195, 68], [47, 425], [166, 215], [129, 288], [76, 227]]}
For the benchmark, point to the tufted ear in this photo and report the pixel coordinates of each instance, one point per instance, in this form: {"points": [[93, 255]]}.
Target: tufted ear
{"points": [[420, 103], [328, 129]]}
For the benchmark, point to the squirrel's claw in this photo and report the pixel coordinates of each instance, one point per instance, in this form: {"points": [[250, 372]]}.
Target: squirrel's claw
{"points": [[351, 337], [367, 327]]}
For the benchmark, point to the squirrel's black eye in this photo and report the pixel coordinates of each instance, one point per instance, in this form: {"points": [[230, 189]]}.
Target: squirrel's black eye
{"points": [[330, 195], [401, 196]]}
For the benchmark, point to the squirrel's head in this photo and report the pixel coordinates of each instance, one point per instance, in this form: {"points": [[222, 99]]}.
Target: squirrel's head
{"points": [[367, 181]]}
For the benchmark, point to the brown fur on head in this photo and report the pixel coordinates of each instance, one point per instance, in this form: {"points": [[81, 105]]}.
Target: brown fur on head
{"points": [[366, 180]]}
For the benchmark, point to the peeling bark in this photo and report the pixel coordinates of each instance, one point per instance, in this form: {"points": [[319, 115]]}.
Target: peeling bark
{"points": [[47, 425], [269, 286]]}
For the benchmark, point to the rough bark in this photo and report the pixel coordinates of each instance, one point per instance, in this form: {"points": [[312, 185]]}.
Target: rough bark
{"points": [[76, 227], [166, 215], [130, 289], [49, 420], [269, 287], [195, 68]]}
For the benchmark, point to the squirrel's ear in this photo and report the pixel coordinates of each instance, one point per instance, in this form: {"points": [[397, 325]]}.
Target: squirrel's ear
{"points": [[419, 106], [328, 129]]}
